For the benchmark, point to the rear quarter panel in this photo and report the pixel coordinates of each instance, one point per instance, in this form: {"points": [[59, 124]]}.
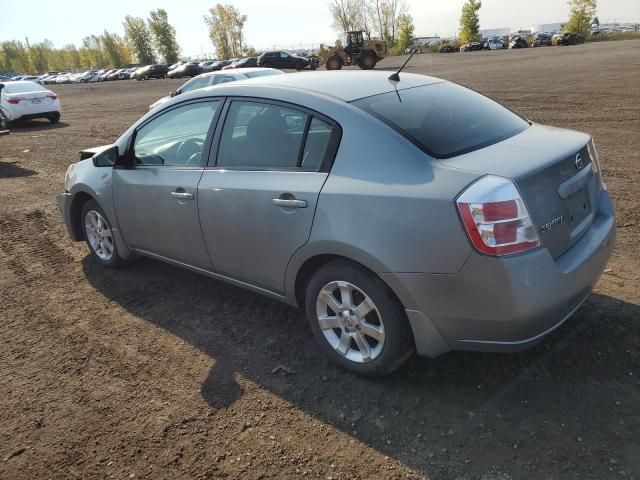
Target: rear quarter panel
{"points": [[387, 205]]}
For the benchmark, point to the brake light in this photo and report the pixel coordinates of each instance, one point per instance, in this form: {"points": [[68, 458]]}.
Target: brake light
{"points": [[52, 96], [14, 100], [495, 217]]}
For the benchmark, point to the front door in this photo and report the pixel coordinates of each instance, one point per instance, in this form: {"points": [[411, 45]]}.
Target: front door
{"points": [[258, 201], [156, 197]]}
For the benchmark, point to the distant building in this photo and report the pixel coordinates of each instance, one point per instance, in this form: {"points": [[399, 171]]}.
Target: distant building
{"points": [[547, 28], [495, 32]]}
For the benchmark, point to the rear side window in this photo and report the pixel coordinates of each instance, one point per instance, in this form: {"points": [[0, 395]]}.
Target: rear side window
{"points": [[258, 135], [444, 119], [316, 146]]}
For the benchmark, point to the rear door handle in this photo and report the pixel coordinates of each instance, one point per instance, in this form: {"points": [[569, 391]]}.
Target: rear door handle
{"points": [[182, 195], [290, 203]]}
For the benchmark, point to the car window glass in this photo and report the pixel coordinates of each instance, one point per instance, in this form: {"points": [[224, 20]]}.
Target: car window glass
{"points": [[284, 54], [262, 73], [316, 144], [261, 136], [176, 137], [218, 79], [195, 84], [444, 119]]}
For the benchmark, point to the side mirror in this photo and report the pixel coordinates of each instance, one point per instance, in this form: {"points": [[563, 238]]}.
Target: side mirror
{"points": [[173, 93], [106, 158]]}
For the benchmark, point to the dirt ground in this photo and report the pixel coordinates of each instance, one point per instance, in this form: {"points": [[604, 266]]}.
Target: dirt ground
{"points": [[154, 372]]}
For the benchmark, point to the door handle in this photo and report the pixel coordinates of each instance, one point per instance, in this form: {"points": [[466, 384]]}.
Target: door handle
{"points": [[289, 203], [182, 195]]}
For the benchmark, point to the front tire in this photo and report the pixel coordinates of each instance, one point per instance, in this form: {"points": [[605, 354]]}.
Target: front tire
{"points": [[356, 320], [98, 234]]}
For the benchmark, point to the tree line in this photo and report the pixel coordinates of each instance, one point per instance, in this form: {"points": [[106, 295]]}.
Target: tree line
{"points": [[144, 41], [387, 20]]}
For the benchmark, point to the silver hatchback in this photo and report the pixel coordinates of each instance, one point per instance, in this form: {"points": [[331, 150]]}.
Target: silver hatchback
{"points": [[401, 215]]}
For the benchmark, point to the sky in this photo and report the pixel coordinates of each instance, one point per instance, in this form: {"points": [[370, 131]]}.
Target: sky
{"points": [[271, 23]]}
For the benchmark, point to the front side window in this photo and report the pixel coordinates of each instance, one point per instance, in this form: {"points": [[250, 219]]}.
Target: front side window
{"points": [[218, 79], [262, 73], [261, 136], [284, 55], [195, 84], [175, 138], [444, 119]]}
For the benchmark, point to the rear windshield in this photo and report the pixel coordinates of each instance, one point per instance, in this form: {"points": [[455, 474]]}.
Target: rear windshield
{"points": [[22, 87], [444, 119]]}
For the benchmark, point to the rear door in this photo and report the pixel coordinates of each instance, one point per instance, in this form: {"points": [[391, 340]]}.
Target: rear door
{"points": [[156, 197], [257, 200]]}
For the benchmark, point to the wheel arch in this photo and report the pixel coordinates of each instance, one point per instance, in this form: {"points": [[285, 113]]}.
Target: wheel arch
{"points": [[309, 259], [79, 199]]}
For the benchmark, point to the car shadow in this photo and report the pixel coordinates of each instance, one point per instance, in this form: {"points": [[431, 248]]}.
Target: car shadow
{"points": [[36, 125], [12, 169], [433, 415]]}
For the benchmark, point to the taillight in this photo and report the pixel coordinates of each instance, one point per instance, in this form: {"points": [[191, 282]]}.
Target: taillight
{"points": [[14, 100], [52, 96], [495, 217]]}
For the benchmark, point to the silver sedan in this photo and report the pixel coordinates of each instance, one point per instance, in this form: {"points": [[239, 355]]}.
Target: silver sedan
{"points": [[402, 215]]}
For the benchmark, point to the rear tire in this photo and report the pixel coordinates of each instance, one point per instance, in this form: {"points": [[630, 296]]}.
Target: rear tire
{"points": [[367, 61], [98, 234], [341, 324], [334, 62], [54, 118]]}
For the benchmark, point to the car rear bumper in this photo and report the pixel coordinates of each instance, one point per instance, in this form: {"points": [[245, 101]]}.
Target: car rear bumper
{"points": [[505, 304]]}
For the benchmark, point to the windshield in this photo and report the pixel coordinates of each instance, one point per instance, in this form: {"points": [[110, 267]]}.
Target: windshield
{"points": [[22, 87], [444, 119]]}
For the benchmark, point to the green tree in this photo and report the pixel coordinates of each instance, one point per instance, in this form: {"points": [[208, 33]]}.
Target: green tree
{"points": [[91, 54], [112, 45], [139, 38], [581, 13], [39, 54], [16, 57], [405, 37], [164, 36], [470, 22]]}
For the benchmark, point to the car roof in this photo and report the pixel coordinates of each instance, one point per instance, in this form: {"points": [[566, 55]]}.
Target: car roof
{"points": [[346, 85]]}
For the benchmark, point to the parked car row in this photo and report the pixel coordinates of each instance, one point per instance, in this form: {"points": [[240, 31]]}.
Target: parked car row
{"points": [[518, 40]]}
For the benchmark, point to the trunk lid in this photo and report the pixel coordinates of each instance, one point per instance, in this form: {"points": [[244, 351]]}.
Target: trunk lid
{"points": [[557, 178]]}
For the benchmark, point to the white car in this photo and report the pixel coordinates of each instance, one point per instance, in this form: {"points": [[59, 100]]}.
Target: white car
{"points": [[23, 100], [217, 78]]}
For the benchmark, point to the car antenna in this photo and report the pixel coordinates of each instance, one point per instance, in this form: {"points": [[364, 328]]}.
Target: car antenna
{"points": [[395, 77]]}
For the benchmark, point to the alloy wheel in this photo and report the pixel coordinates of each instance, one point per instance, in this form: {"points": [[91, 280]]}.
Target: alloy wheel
{"points": [[99, 235], [350, 321]]}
